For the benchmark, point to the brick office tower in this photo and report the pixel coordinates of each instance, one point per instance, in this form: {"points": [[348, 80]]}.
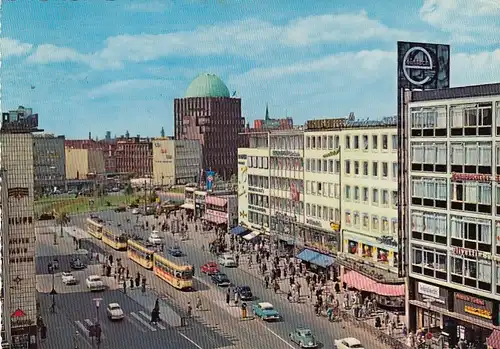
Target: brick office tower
{"points": [[209, 114]]}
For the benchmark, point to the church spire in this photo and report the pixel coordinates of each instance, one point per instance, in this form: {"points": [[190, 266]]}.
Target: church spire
{"points": [[267, 112]]}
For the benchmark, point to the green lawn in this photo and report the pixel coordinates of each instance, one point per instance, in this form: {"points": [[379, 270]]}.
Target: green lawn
{"points": [[82, 204]]}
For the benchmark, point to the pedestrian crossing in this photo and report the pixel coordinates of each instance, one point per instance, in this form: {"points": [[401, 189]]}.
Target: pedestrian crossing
{"points": [[139, 319]]}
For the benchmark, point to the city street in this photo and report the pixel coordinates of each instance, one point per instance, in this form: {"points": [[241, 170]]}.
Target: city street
{"points": [[294, 315]]}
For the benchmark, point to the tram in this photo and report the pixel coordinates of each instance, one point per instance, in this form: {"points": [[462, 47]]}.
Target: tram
{"points": [[174, 271], [94, 228], [141, 252]]}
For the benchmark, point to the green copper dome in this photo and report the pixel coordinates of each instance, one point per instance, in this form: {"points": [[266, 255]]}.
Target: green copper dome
{"points": [[207, 85]]}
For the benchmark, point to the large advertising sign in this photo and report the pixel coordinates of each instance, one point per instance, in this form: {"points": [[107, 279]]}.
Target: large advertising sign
{"points": [[210, 179], [421, 66]]}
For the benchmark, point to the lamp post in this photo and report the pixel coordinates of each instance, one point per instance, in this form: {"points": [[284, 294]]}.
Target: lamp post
{"points": [[53, 292], [97, 305]]}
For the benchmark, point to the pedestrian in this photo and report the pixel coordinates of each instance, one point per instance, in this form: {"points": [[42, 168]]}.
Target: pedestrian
{"points": [[198, 303], [228, 298], [127, 271]]}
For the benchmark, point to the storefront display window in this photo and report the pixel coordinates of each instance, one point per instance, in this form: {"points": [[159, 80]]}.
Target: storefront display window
{"points": [[382, 256], [353, 247], [367, 251]]}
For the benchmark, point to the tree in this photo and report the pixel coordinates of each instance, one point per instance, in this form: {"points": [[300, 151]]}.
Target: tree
{"points": [[62, 219]]}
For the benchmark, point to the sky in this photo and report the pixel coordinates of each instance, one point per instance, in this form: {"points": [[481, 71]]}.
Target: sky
{"points": [[99, 65]]}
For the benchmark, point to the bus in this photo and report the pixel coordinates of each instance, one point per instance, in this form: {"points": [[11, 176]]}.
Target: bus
{"points": [[94, 228], [114, 238], [174, 271], [141, 252]]}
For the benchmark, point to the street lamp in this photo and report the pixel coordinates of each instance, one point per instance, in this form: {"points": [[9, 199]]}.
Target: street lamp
{"points": [[97, 304], [53, 292]]}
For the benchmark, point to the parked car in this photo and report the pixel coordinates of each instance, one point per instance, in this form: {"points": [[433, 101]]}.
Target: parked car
{"points": [[155, 238], [76, 263], [95, 283], [245, 293], [210, 268], [121, 209], [68, 278], [47, 216], [221, 280], [175, 251], [115, 312], [135, 211], [304, 338], [265, 311], [227, 260], [348, 343]]}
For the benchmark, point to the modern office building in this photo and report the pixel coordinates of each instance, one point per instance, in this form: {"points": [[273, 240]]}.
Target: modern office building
{"points": [[49, 161], [84, 163], [453, 205], [134, 155], [176, 161], [209, 114], [19, 311]]}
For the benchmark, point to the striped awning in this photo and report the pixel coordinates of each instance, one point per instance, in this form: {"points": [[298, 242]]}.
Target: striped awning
{"points": [[214, 219], [216, 201]]}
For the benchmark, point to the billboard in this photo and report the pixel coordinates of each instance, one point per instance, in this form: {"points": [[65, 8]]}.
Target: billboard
{"points": [[210, 179], [423, 66]]}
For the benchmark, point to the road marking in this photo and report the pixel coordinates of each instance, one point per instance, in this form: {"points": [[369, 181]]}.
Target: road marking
{"points": [[160, 326], [142, 321], [278, 336], [193, 342], [82, 327], [135, 324]]}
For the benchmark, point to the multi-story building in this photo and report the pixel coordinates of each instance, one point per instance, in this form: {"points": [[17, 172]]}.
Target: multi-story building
{"points": [[452, 210], [84, 163], [19, 310], [176, 161], [271, 124], [49, 161], [134, 155], [108, 147], [209, 114]]}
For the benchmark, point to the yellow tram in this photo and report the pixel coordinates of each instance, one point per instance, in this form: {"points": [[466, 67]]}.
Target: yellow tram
{"points": [[177, 273], [114, 238], [94, 228], [141, 253]]}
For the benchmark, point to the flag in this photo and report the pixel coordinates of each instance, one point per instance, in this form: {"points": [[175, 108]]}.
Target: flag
{"points": [[294, 191]]}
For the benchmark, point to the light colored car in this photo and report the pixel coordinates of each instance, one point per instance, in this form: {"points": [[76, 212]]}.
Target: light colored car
{"points": [[227, 260], [68, 278], [154, 238], [114, 311], [348, 343], [304, 338], [135, 211], [95, 283], [265, 311]]}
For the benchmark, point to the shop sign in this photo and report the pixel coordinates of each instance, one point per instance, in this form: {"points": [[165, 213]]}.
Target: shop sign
{"points": [[257, 190], [18, 319], [466, 252], [332, 153], [288, 153], [437, 296], [325, 124], [335, 226], [256, 208], [313, 222], [217, 213], [470, 305]]}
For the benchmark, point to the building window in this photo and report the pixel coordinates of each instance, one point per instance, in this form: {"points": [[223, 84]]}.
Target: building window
{"points": [[471, 120], [471, 272], [471, 233], [347, 167], [394, 198], [337, 142], [356, 142], [429, 262], [330, 142], [385, 170], [429, 227], [429, 157], [429, 192], [365, 168], [429, 122], [308, 187], [471, 196], [375, 223], [348, 192], [385, 142], [348, 217], [471, 157], [374, 142], [356, 167], [313, 210], [395, 170], [365, 195], [375, 169], [308, 142], [347, 142], [308, 209], [356, 219], [356, 194], [337, 166], [365, 142], [366, 221], [375, 196], [394, 144], [385, 225], [330, 166], [385, 198]]}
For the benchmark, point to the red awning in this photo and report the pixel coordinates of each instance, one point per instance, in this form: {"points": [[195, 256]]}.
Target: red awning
{"points": [[494, 339], [364, 283], [216, 201], [214, 219]]}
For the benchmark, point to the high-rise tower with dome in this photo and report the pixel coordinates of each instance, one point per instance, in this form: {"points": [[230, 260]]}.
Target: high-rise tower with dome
{"points": [[211, 115]]}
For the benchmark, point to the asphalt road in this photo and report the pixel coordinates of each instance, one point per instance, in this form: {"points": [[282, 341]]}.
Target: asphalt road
{"points": [[293, 316], [80, 310]]}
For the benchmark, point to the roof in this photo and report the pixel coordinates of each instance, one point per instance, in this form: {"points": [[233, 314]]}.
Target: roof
{"points": [[484, 90], [265, 305], [207, 85], [114, 305]]}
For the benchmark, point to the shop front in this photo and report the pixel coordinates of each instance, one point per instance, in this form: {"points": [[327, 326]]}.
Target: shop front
{"points": [[216, 218], [379, 250], [189, 200], [199, 203], [322, 236], [438, 297]]}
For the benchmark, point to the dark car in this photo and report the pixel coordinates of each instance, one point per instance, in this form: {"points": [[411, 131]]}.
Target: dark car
{"points": [[175, 251], [121, 209], [221, 279], [46, 217], [245, 293], [76, 263]]}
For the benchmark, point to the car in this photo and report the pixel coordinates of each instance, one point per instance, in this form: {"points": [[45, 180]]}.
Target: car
{"points": [[121, 208], [209, 268], [348, 343], [155, 238], [93, 216], [303, 337], [114, 312], [68, 278], [95, 283], [76, 263], [265, 311], [221, 279], [227, 260], [245, 293], [135, 211], [175, 251]]}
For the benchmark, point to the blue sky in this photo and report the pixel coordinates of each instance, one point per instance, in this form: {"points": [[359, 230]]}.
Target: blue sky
{"points": [[117, 65]]}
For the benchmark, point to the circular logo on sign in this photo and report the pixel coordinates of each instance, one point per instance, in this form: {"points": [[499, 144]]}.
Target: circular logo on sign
{"points": [[418, 66]]}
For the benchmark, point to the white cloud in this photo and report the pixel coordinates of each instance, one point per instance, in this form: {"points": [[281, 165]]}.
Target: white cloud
{"points": [[126, 86], [475, 68], [251, 38], [11, 47], [153, 6], [466, 21]]}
